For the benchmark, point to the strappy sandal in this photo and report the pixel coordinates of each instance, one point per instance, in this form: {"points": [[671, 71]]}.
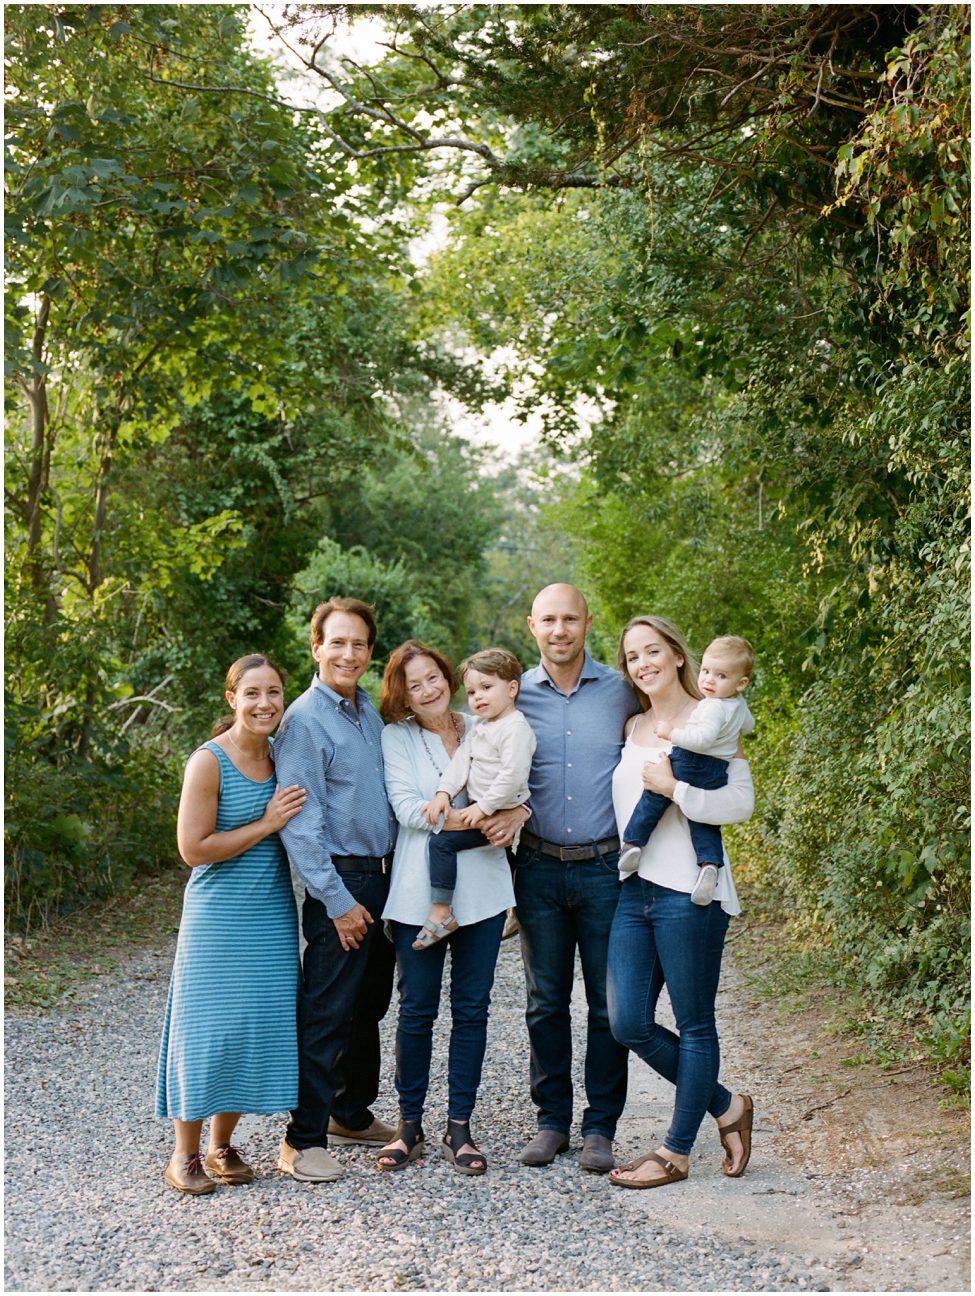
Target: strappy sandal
{"points": [[674, 1173], [742, 1126], [430, 933], [410, 1133], [458, 1133]]}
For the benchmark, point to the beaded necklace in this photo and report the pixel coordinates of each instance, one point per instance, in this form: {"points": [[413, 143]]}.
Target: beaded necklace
{"points": [[458, 730]]}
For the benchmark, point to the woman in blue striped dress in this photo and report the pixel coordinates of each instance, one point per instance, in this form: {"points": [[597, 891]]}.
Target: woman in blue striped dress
{"points": [[229, 1039]]}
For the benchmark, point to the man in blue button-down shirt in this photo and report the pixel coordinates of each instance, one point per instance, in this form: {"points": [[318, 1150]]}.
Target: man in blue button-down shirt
{"points": [[566, 881], [329, 744]]}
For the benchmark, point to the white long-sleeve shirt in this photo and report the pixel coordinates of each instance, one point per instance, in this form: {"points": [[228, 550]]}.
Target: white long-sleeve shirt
{"points": [[713, 727], [668, 857], [413, 760], [493, 763]]}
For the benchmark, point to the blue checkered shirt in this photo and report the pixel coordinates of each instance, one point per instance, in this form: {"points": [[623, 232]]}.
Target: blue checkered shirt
{"points": [[333, 750], [579, 736]]}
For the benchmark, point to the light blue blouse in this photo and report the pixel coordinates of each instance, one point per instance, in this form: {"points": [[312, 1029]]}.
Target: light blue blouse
{"points": [[412, 777]]}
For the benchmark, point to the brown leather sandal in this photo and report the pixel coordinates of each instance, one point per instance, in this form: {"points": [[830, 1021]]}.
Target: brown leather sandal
{"points": [[742, 1126], [674, 1173]]}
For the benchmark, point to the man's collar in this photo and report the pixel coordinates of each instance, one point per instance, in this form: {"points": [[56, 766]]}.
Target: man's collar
{"points": [[360, 693], [540, 675]]}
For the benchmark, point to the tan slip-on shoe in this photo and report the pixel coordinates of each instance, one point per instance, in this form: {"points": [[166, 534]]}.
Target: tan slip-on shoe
{"points": [[186, 1175], [309, 1165], [226, 1164], [378, 1134]]}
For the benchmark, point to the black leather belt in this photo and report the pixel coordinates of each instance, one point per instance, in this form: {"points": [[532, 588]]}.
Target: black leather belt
{"points": [[571, 854], [362, 863]]}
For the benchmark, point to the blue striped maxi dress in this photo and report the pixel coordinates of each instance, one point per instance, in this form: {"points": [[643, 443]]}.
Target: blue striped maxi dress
{"points": [[229, 1040]]}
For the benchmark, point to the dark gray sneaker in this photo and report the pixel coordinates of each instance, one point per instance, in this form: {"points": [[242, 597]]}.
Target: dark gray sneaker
{"points": [[597, 1154], [544, 1148]]}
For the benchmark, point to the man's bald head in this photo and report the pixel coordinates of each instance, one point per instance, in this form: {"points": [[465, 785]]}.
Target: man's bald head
{"points": [[559, 623], [561, 595]]}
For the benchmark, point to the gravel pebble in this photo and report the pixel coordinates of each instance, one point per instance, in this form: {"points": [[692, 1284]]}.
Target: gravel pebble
{"points": [[87, 1208]]}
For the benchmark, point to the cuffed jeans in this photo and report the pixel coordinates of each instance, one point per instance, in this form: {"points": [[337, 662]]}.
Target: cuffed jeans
{"points": [[442, 851], [343, 998], [473, 955], [660, 937], [562, 907], [699, 771]]}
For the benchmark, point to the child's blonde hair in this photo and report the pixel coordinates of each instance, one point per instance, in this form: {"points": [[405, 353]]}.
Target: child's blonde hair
{"points": [[739, 650], [492, 661]]}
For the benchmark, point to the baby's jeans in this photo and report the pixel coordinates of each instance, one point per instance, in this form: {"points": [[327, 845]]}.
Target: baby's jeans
{"points": [[707, 772]]}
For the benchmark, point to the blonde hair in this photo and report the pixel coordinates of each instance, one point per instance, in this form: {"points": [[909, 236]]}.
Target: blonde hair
{"points": [[686, 672], [739, 650]]}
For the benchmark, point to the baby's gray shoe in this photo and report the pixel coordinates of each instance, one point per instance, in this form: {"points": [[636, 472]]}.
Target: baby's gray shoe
{"points": [[629, 860], [707, 880]]}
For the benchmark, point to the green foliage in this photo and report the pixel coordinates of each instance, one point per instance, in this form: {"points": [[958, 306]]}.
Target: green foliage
{"points": [[723, 259], [771, 327], [204, 347]]}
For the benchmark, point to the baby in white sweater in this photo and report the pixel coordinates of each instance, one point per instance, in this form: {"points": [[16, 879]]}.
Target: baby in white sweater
{"points": [[492, 762], [702, 748]]}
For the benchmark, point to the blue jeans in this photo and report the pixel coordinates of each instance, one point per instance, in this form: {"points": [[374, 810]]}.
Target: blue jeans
{"points": [[562, 906], [699, 771], [660, 937], [473, 955], [442, 851], [343, 998]]}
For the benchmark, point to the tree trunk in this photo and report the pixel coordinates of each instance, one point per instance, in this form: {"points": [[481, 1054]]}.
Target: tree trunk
{"points": [[39, 450]]}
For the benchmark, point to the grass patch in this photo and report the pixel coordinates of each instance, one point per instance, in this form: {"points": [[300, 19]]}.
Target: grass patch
{"points": [[41, 971], [793, 971]]}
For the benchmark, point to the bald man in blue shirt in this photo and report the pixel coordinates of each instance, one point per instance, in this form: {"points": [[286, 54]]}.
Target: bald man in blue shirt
{"points": [[566, 879]]}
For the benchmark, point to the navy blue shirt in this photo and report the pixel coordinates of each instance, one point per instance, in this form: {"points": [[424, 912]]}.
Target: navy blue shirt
{"points": [[580, 736], [332, 749]]}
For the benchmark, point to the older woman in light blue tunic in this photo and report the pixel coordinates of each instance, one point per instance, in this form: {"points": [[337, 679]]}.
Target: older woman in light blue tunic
{"points": [[421, 735], [229, 1038]]}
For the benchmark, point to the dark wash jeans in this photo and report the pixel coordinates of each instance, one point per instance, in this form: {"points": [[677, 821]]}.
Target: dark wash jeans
{"points": [[562, 907], [343, 997], [699, 771], [660, 937], [473, 955], [442, 851]]}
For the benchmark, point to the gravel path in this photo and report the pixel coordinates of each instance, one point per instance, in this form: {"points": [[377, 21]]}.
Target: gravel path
{"points": [[87, 1209]]}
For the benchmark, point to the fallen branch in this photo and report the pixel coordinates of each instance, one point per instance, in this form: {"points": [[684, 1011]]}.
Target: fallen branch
{"points": [[822, 1106]]}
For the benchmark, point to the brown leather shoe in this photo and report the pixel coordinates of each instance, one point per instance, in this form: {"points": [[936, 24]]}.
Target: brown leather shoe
{"points": [[226, 1164], [186, 1174]]}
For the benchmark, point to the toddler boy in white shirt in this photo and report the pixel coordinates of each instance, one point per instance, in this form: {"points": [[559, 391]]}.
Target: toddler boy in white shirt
{"points": [[492, 762], [700, 755]]}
